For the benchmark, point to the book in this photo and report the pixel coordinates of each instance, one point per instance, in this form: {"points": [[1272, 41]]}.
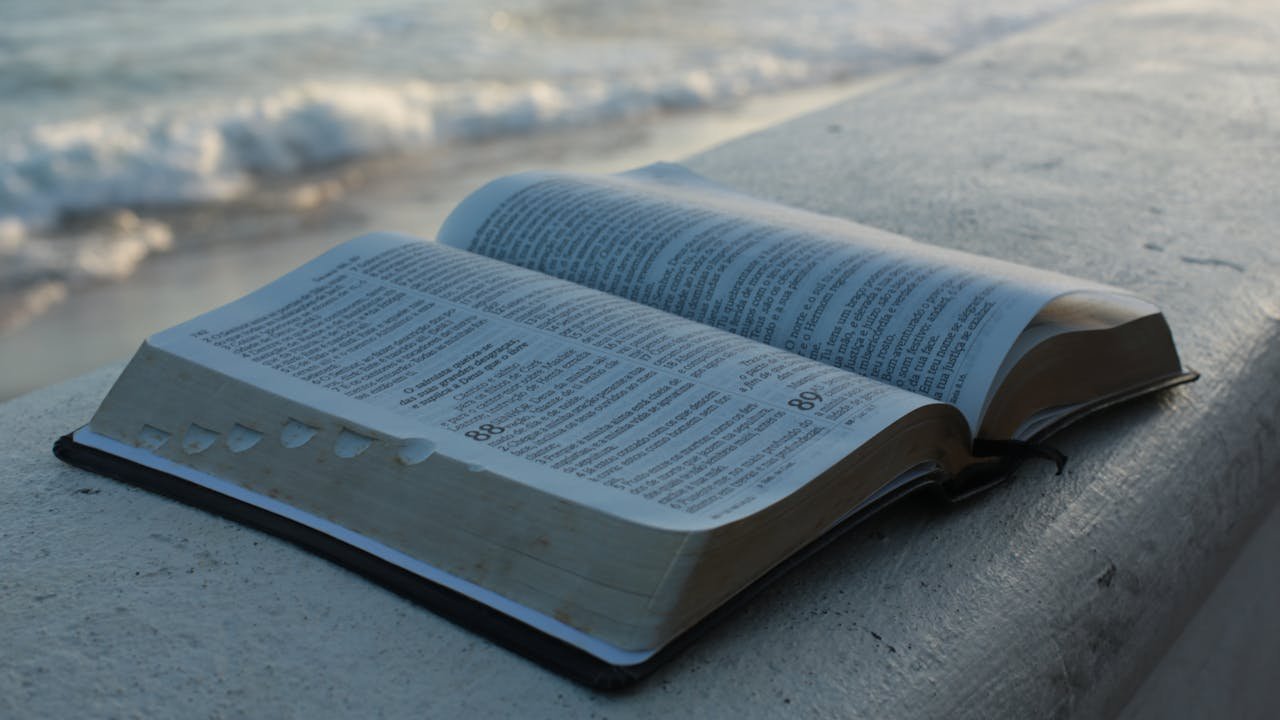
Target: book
{"points": [[598, 412]]}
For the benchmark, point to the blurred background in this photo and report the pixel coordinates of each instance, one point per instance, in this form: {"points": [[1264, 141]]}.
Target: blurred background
{"points": [[161, 157]]}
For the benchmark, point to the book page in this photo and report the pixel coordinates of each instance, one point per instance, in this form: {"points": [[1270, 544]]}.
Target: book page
{"points": [[930, 320], [597, 399]]}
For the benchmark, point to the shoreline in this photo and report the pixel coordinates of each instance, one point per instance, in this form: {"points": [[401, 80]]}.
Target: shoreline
{"points": [[220, 254]]}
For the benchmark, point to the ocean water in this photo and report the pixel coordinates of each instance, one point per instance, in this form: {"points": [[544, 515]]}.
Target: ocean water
{"points": [[115, 115]]}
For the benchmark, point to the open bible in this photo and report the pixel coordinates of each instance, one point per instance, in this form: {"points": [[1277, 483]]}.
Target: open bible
{"points": [[599, 409]]}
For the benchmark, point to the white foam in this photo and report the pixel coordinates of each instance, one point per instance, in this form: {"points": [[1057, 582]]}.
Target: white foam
{"points": [[38, 272], [214, 152]]}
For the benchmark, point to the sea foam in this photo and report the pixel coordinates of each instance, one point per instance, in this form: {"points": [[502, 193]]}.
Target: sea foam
{"points": [[38, 272], [215, 154]]}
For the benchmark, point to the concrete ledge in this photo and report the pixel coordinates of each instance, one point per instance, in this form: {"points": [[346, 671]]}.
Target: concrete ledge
{"points": [[1129, 143], [1226, 663]]}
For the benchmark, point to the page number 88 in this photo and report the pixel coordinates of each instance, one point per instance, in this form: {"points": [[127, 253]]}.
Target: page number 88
{"points": [[484, 432]]}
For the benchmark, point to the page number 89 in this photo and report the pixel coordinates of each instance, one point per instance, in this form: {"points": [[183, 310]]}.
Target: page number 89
{"points": [[807, 400]]}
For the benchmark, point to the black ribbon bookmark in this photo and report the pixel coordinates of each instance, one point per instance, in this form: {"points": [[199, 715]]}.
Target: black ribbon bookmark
{"points": [[1009, 453], [1018, 451]]}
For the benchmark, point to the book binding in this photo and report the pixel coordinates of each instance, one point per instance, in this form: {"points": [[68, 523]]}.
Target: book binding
{"points": [[514, 635]]}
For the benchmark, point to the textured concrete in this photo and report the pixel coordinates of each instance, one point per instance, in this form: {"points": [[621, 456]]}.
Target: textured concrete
{"points": [[1226, 663], [1130, 143]]}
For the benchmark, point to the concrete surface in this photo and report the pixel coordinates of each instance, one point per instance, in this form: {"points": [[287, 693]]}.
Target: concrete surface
{"points": [[1131, 143], [1226, 663]]}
